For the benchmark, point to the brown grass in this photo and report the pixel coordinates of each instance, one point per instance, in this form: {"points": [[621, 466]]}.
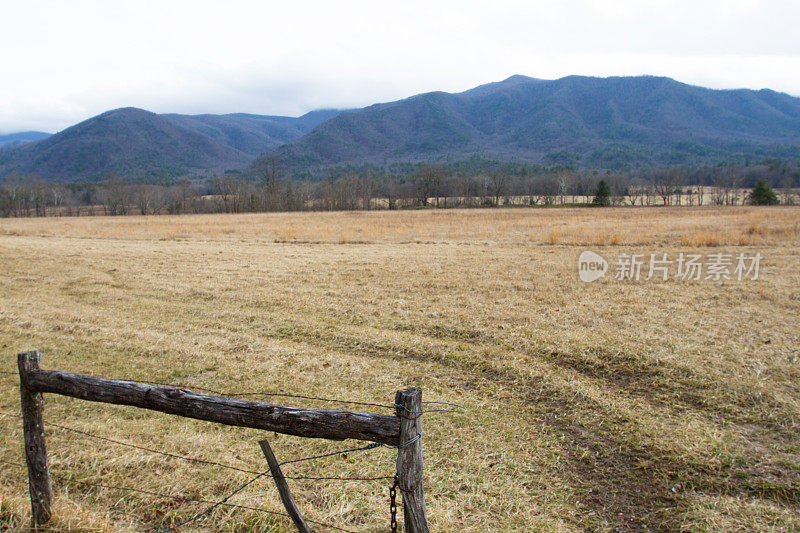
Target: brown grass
{"points": [[688, 226], [666, 405]]}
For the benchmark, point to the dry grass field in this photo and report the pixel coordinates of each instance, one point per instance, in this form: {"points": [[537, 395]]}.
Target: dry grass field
{"points": [[616, 405]]}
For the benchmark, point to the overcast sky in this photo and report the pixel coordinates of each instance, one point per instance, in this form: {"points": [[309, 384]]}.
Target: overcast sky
{"points": [[63, 62]]}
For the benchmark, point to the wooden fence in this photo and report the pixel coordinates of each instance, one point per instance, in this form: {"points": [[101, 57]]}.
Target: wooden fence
{"points": [[403, 430]]}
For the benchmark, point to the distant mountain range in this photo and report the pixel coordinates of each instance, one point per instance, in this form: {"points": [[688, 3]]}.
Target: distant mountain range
{"points": [[22, 137], [138, 144], [613, 122], [253, 134], [592, 122]]}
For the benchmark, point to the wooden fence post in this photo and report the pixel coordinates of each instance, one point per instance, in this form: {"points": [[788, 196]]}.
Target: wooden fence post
{"points": [[283, 488], [35, 450], [408, 405]]}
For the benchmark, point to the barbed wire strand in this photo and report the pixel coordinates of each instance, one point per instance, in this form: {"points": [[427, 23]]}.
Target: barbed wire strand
{"points": [[410, 441], [266, 393], [369, 446], [206, 461], [215, 463], [166, 454], [458, 408], [248, 393], [224, 501], [177, 498]]}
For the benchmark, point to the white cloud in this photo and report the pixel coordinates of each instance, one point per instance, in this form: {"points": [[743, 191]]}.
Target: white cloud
{"points": [[66, 61]]}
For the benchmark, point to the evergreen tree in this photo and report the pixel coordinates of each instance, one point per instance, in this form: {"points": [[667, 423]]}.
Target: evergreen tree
{"points": [[602, 196], [762, 194]]}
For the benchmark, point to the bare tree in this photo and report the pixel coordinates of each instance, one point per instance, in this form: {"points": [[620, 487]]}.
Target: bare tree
{"points": [[664, 185], [227, 190], [57, 194], [786, 191], [636, 191], [146, 197], [727, 184], [428, 179], [498, 183], [115, 197], [269, 170], [563, 179], [18, 195], [701, 192], [548, 189]]}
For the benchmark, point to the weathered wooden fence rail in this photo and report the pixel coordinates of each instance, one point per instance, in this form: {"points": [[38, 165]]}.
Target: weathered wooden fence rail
{"points": [[403, 430]]}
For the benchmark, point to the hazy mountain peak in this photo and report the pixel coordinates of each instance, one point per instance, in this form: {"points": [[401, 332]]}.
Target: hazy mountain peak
{"points": [[127, 112], [519, 78]]}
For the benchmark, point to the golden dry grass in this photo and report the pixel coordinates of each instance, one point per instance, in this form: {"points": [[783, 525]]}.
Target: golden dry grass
{"points": [[692, 226], [667, 405]]}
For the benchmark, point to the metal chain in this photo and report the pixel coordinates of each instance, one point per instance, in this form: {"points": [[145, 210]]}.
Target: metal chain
{"points": [[393, 504]]}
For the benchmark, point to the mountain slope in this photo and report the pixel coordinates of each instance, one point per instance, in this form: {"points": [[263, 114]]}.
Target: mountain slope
{"points": [[608, 122], [130, 142], [139, 144], [253, 134]]}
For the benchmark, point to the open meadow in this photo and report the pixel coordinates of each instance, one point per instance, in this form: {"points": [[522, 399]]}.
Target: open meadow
{"points": [[615, 405]]}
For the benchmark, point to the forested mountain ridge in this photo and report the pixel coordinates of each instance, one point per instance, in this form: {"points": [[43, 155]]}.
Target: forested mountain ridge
{"points": [[140, 145], [590, 122], [253, 134], [582, 122]]}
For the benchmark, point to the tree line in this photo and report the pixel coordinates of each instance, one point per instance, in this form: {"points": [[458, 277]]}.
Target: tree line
{"points": [[426, 185]]}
